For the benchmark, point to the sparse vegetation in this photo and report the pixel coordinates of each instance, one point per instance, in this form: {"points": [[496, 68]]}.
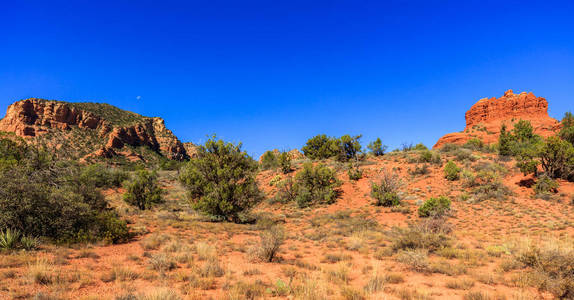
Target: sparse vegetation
{"points": [[451, 171], [385, 192], [315, 184]]}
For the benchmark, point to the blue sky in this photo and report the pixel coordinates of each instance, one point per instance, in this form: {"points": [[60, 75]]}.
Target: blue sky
{"points": [[274, 73]]}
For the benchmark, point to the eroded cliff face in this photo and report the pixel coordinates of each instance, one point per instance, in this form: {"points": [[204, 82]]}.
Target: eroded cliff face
{"points": [[484, 118], [90, 134]]}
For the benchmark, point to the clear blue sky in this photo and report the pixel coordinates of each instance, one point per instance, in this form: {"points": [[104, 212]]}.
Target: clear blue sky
{"points": [[274, 73]]}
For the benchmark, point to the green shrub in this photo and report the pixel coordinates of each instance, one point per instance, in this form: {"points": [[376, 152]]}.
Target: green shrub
{"points": [[545, 185], [385, 192], [428, 156], [567, 131], [377, 148], [44, 197], [269, 160], [451, 171], [315, 184], [420, 146], [221, 180], [474, 144], [285, 191], [103, 177], [419, 237], [557, 158], [143, 191], [354, 172], [349, 147], [435, 207], [321, 147], [285, 162], [504, 142]]}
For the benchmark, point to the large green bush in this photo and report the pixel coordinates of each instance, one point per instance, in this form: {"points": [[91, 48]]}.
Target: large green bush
{"points": [[40, 196], [269, 160], [435, 207], [315, 185], [221, 180], [557, 158], [284, 159], [143, 190], [322, 147], [102, 176]]}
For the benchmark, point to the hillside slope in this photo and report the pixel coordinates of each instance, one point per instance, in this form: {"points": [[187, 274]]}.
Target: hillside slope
{"points": [[91, 130]]}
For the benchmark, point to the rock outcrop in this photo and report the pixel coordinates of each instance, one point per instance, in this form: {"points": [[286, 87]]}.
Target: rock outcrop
{"points": [[90, 129], [484, 119]]}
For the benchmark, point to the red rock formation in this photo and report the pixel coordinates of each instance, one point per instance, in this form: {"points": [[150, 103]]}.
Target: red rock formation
{"points": [[484, 118], [32, 118]]}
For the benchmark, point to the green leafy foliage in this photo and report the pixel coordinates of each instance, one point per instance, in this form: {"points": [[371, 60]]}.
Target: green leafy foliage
{"points": [[354, 172], [102, 176], [567, 131], [377, 148], [221, 180], [322, 147], [42, 196], [143, 190], [269, 160], [451, 171], [385, 192], [557, 158], [285, 162], [545, 185], [435, 207], [315, 185], [429, 156]]}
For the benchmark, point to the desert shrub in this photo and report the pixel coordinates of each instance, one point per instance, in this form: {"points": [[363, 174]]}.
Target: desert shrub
{"points": [[285, 191], [567, 131], [504, 142], [435, 207], [269, 160], [451, 171], [419, 236], [275, 180], [377, 148], [143, 191], [486, 185], [416, 260], [354, 172], [349, 147], [44, 197], [102, 176], [9, 239], [474, 144], [545, 185], [315, 184], [386, 191], [321, 147], [557, 158], [550, 266], [420, 170], [284, 159], [420, 146], [270, 242], [221, 180], [428, 156]]}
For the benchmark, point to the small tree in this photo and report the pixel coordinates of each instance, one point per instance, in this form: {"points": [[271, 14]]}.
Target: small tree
{"points": [[451, 171], [523, 131], [143, 191], [377, 148], [557, 158], [349, 147], [504, 142], [567, 131], [221, 180]]}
